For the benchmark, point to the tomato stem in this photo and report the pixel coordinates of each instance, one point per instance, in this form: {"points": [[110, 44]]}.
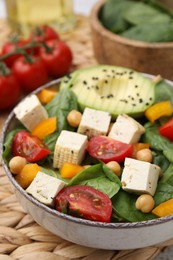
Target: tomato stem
{"points": [[4, 70]]}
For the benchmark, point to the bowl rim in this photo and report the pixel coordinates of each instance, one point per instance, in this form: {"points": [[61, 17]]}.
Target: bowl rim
{"points": [[100, 29], [117, 225]]}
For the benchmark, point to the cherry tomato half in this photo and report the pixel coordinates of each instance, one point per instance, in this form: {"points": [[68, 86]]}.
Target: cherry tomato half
{"points": [[107, 149], [9, 91], [85, 201], [29, 147], [30, 75], [58, 60], [167, 129]]}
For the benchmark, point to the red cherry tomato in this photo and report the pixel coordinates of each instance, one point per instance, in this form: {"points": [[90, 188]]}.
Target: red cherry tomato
{"points": [[86, 201], [9, 91], [29, 147], [43, 33], [30, 75], [10, 47], [107, 149], [58, 60], [167, 129]]}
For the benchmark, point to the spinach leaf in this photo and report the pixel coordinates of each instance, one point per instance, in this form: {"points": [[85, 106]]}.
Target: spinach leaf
{"points": [[158, 142], [123, 204], [150, 32], [100, 177], [163, 91], [141, 13], [164, 189], [160, 160], [7, 146], [112, 18], [60, 106]]}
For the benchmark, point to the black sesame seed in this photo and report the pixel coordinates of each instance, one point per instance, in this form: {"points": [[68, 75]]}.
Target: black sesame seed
{"points": [[131, 72], [137, 94], [130, 77], [136, 86], [124, 100], [140, 100], [106, 81], [104, 70], [84, 82], [102, 97], [97, 87], [72, 151], [133, 105], [132, 98], [147, 104], [110, 96]]}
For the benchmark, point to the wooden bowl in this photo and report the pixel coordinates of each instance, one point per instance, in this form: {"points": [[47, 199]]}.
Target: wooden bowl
{"points": [[110, 48]]}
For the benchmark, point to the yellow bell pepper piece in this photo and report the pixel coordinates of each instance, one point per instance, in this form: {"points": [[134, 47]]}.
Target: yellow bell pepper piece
{"points": [[68, 170], [27, 174], [164, 209], [44, 128], [158, 110], [46, 95]]}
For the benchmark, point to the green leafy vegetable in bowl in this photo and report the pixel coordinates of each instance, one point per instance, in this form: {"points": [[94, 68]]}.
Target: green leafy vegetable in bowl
{"points": [[148, 21]]}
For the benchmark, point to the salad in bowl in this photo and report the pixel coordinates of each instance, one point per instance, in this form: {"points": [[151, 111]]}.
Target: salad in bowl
{"points": [[95, 148]]}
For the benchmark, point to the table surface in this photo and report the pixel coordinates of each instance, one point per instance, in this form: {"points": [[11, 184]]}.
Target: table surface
{"points": [[84, 7]]}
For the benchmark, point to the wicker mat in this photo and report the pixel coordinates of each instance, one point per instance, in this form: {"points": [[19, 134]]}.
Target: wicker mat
{"points": [[20, 236]]}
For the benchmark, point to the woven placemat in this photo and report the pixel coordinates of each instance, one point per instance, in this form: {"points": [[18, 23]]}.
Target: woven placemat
{"points": [[22, 238]]}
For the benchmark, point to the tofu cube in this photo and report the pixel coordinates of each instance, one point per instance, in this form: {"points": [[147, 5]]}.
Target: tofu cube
{"points": [[94, 122], [140, 177], [30, 112], [44, 188], [126, 129], [70, 147]]}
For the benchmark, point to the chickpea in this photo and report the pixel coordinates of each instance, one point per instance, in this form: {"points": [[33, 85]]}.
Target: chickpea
{"points": [[144, 155], [74, 118], [115, 167], [16, 164], [145, 203]]}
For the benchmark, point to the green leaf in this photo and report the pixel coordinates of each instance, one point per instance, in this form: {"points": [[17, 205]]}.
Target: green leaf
{"points": [[7, 146], [141, 13], [150, 32], [163, 91], [112, 15], [95, 176], [60, 106], [164, 189], [158, 142], [123, 204]]}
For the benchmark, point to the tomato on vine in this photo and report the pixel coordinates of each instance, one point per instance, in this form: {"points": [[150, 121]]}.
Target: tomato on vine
{"points": [[57, 58], [10, 90], [31, 74]]}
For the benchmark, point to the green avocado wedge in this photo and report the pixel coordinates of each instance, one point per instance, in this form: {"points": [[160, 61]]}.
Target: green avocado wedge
{"points": [[113, 89]]}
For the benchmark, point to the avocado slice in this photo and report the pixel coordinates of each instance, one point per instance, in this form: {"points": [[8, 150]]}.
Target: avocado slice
{"points": [[113, 89]]}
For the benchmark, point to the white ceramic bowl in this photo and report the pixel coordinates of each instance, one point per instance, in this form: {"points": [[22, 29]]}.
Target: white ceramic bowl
{"points": [[115, 236]]}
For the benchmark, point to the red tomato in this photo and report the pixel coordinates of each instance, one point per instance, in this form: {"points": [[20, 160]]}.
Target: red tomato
{"points": [[167, 129], [86, 201], [30, 75], [43, 33], [10, 47], [107, 149], [29, 147], [58, 60], [9, 91]]}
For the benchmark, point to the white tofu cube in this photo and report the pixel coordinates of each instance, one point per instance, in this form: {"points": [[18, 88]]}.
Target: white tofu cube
{"points": [[70, 147], [30, 112], [126, 129], [140, 177], [94, 122], [44, 188]]}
